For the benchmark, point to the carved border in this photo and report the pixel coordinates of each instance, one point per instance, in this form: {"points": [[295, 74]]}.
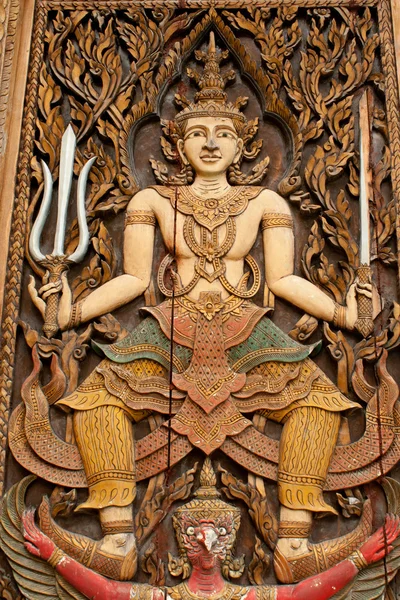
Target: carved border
{"points": [[8, 19], [12, 289], [227, 4], [395, 4], [392, 106], [16, 247]]}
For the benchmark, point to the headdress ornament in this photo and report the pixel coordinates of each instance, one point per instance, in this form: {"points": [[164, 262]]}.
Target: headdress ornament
{"points": [[211, 100], [207, 503]]}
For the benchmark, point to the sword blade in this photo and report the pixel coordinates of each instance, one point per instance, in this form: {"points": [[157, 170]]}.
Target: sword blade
{"points": [[365, 178]]}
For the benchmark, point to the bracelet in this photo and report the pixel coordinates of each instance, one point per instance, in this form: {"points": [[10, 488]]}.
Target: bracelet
{"points": [[55, 557], [339, 316], [76, 315], [358, 560]]}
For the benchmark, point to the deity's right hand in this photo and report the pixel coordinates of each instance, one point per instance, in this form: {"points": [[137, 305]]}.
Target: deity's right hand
{"points": [[36, 541], [39, 298]]}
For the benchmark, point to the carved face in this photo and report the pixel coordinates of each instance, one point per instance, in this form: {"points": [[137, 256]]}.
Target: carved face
{"points": [[210, 145], [207, 541]]}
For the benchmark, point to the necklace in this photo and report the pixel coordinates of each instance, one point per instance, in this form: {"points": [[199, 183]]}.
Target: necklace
{"points": [[213, 212], [205, 218], [230, 592]]}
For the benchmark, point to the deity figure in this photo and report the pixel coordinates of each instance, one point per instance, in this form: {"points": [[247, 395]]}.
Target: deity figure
{"points": [[228, 360], [206, 530]]}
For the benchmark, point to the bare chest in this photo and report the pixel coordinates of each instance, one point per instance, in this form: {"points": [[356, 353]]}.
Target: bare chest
{"points": [[187, 236]]}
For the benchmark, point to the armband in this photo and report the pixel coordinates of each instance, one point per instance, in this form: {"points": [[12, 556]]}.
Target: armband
{"points": [[76, 315], [358, 560], [142, 217], [55, 557], [266, 592], [270, 220], [339, 316], [123, 526], [294, 529], [141, 592]]}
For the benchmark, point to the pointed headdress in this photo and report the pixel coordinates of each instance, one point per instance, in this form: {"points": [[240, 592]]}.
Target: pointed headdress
{"points": [[207, 503], [211, 100]]}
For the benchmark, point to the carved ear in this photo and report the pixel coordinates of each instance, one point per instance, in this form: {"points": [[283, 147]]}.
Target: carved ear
{"points": [[178, 566], [179, 146], [239, 152], [233, 567]]}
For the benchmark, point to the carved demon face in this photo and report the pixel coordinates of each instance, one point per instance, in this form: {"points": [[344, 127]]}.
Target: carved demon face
{"points": [[210, 144], [207, 541]]}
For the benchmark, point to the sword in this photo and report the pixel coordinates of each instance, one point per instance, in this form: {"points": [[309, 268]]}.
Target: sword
{"points": [[365, 323]]}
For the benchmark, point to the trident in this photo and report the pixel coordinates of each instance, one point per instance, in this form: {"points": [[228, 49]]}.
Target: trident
{"points": [[57, 262]]}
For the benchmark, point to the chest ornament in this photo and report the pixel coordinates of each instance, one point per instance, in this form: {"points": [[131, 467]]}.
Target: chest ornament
{"points": [[209, 230]]}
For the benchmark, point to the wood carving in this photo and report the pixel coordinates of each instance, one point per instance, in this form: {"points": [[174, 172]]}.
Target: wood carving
{"points": [[206, 529], [207, 372]]}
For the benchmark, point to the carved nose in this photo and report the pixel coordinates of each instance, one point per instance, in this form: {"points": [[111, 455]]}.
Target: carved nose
{"points": [[207, 537], [211, 144]]}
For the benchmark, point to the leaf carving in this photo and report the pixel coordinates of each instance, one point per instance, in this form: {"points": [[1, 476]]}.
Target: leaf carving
{"points": [[259, 508], [259, 565]]}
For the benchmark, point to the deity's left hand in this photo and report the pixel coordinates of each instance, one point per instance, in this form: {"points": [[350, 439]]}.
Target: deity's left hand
{"points": [[36, 542], [380, 543], [364, 289]]}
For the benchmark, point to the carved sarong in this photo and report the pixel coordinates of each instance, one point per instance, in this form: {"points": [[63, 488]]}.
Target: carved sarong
{"points": [[229, 359]]}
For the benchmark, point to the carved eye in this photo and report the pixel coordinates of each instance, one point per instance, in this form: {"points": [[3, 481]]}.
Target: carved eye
{"points": [[196, 134], [190, 531], [222, 531], [225, 134]]}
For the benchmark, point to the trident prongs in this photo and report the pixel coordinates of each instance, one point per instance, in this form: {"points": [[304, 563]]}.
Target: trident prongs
{"points": [[57, 262], [37, 227], [82, 247], [67, 155]]}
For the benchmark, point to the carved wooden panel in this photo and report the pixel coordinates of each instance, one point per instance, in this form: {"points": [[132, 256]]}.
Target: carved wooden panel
{"points": [[205, 407]]}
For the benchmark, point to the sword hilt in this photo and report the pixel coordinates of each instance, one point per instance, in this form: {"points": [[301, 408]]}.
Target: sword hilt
{"points": [[364, 323]]}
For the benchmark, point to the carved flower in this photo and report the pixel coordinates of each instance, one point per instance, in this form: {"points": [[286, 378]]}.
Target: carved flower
{"points": [[209, 304], [210, 251], [323, 13], [211, 203]]}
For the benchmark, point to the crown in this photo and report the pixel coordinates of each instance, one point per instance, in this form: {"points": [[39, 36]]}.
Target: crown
{"points": [[207, 503], [211, 100]]}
